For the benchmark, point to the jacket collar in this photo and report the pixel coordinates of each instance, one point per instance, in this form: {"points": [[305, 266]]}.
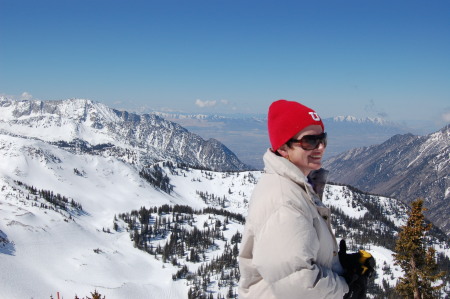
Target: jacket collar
{"points": [[283, 167]]}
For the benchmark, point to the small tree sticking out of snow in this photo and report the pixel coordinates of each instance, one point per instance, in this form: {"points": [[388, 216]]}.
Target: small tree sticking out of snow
{"points": [[418, 262]]}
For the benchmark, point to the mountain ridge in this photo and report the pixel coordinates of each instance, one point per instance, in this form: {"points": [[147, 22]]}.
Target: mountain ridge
{"points": [[150, 137], [406, 167], [263, 117]]}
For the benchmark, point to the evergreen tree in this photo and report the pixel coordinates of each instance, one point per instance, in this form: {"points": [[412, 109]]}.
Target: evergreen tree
{"points": [[417, 262]]}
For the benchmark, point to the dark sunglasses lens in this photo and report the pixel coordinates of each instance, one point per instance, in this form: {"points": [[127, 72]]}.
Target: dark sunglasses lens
{"points": [[310, 142]]}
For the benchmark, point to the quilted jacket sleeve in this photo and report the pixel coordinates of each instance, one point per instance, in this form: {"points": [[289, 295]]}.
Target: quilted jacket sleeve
{"points": [[285, 252]]}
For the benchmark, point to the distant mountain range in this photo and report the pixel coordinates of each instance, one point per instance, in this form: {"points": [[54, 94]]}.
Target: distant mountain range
{"points": [[347, 132], [246, 135], [406, 167]]}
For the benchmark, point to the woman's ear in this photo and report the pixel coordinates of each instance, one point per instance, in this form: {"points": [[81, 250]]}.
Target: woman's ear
{"points": [[283, 151]]}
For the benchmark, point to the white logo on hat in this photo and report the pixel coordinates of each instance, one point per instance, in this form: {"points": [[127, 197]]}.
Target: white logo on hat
{"points": [[314, 116]]}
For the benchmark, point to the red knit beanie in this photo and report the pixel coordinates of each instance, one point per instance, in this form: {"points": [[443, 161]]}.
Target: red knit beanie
{"points": [[286, 119]]}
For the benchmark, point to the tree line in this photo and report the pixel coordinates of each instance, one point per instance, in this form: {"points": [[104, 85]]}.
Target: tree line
{"points": [[55, 201]]}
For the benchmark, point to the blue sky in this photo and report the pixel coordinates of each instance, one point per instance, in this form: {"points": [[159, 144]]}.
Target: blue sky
{"points": [[361, 58]]}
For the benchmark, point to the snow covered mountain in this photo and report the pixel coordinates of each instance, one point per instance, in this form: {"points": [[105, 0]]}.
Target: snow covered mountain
{"points": [[353, 119], [245, 135], [83, 125], [348, 132], [84, 208], [57, 220], [405, 167]]}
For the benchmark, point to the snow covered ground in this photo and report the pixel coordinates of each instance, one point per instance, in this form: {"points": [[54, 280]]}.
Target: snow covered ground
{"points": [[48, 252], [45, 251]]}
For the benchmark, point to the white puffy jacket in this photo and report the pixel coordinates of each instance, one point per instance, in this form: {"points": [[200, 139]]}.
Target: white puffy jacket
{"points": [[288, 249]]}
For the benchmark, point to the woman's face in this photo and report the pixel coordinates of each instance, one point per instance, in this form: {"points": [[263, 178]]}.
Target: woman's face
{"points": [[305, 160]]}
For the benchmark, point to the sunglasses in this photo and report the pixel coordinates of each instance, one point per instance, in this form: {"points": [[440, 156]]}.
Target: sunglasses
{"points": [[311, 142]]}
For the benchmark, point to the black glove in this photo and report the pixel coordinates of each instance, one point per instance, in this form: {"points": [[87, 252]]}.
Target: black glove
{"points": [[358, 288], [358, 267]]}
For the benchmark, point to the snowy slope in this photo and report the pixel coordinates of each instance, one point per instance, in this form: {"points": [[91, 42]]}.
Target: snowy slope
{"points": [[45, 251], [341, 197], [374, 222], [51, 253]]}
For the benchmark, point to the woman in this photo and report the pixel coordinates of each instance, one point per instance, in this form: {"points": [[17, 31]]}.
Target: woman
{"points": [[288, 248]]}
